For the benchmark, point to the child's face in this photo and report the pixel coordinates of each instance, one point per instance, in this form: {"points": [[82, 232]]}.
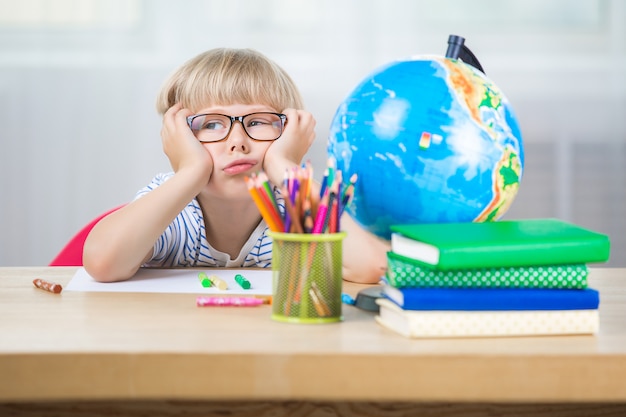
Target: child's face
{"points": [[238, 155]]}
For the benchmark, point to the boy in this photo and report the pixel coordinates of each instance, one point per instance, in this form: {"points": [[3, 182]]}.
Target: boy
{"points": [[227, 113]]}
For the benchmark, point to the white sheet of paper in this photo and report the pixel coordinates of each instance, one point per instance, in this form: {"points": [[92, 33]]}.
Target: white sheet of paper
{"points": [[177, 281]]}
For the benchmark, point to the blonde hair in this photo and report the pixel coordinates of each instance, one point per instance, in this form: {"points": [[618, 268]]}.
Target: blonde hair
{"points": [[226, 76]]}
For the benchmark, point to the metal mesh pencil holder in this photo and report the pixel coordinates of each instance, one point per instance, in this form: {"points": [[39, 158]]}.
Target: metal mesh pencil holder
{"points": [[307, 277]]}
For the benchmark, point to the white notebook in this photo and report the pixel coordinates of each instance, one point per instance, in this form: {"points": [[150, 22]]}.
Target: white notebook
{"points": [[422, 324]]}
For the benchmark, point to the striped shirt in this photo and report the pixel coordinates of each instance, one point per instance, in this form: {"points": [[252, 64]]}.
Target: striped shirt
{"points": [[184, 242]]}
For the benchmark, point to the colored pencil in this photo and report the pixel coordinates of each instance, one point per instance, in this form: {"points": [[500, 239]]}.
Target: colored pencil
{"points": [[308, 217], [265, 188], [305, 211], [263, 209], [267, 196], [292, 215], [332, 199], [349, 189], [320, 217], [324, 182], [333, 222]]}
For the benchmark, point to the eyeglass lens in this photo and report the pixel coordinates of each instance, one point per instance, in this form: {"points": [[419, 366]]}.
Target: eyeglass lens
{"points": [[216, 127]]}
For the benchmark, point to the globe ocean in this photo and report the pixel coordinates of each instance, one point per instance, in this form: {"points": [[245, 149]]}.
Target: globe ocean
{"points": [[432, 140]]}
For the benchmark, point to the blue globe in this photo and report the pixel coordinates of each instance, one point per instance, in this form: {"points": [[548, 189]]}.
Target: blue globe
{"points": [[432, 140]]}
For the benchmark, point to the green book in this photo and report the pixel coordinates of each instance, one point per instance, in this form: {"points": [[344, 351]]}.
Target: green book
{"points": [[405, 273], [528, 242]]}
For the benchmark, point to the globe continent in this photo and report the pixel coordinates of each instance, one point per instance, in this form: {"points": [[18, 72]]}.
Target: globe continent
{"points": [[432, 140]]}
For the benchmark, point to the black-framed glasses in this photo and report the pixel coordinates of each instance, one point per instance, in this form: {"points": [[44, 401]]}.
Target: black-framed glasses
{"points": [[216, 127]]}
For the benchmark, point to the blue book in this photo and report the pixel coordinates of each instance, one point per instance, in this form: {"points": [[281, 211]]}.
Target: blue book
{"points": [[492, 299]]}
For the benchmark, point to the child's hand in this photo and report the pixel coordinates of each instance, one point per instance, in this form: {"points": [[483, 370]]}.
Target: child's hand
{"points": [[181, 146], [288, 150]]}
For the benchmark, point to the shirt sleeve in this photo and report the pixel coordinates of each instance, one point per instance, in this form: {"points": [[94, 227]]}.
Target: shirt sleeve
{"points": [[179, 244]]}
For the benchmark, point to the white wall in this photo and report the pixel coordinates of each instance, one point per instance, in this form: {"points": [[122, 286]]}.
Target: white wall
{"points": [[78, 81]]}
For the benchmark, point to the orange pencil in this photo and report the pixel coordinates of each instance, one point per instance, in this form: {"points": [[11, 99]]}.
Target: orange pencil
{"points": [[268, 200], [254, 192], [308, 179]]}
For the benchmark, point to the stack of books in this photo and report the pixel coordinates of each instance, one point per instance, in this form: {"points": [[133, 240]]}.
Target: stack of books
{"points": [[507, 278]]}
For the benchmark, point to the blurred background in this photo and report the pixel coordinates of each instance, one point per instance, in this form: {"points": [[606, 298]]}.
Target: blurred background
{"points": [[79, 133]]}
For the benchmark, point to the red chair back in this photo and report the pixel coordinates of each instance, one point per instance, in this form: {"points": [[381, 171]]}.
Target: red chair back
{"points": [[72, 252]]}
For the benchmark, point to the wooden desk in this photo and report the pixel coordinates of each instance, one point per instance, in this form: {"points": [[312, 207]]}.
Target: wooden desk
{"points": [[157, 354]]}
